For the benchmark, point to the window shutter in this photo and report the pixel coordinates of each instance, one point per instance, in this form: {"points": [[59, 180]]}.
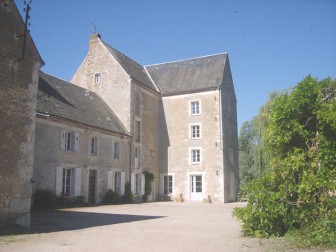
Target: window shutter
{"points": [[76, 149], [62, 139], [109, 180], [59, 176], [142, 184], [78, 181], [133, 182], [122, 183]]}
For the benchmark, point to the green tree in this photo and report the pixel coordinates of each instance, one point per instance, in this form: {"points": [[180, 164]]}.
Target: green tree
{"points": [[253, 154], [298, 189]]}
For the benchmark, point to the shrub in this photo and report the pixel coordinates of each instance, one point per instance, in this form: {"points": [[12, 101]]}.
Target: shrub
{"points": [[111, 197], [44, 199], [149, 177]]}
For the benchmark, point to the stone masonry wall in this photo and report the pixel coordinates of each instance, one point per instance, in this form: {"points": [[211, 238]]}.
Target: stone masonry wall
{"points": [[48, 137], [18, 80], [179, 142]]}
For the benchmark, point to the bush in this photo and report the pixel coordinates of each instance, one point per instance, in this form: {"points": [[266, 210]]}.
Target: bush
{"points": [[44, 199], [149, 177], [111, 197]]}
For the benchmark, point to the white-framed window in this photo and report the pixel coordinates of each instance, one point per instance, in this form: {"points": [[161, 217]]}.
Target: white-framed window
{"points": [[67, 182], [137, 131], [97, 78], [195, 155], [69, 141], [195, 131], [138, 184], [117, 150], [137, 157], [195, 107], [167, 184], [117, 182], [93, 145]]}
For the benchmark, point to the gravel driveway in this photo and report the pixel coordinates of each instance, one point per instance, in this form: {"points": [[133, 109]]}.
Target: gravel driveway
{"points": [[159, 226]]}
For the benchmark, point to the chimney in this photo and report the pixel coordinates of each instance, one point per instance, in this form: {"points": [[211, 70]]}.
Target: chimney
{"points": [[94, 40]]}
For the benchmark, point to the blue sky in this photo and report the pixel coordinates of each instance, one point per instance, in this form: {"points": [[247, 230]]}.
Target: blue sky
{"points": [[271, 44]]}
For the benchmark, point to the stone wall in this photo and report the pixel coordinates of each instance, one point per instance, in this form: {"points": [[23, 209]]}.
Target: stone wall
{"points": [[19, 80], [49, 156], [179, 143]]}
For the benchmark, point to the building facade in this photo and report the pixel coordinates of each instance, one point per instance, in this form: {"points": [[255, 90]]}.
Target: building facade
{"points": [[182, 118], [19, 66], [81, 148]]}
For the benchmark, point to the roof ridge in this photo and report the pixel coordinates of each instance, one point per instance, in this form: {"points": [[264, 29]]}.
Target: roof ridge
{"points": [[174, 61], [122, 54]]}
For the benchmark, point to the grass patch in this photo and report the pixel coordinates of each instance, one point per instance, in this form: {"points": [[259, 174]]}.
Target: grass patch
{"points": [[318, 235]]}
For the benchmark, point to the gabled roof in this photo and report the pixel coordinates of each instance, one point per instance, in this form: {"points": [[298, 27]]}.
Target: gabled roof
{"points": [[132, 68], [62, 99], [189, 75]]}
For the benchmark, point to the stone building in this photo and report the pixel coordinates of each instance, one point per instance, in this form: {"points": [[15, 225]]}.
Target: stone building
{"points": [[81, 147], [129, 91], [20, 63], [182, 118], [198, 161]]}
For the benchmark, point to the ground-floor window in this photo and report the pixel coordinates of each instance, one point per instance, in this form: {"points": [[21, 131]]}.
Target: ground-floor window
{"points": [[167, 184], [117, 182], [67, 181], [138, 184]]}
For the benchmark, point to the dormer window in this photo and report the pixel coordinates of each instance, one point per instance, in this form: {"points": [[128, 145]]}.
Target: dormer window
{"points": [[97, 78]]}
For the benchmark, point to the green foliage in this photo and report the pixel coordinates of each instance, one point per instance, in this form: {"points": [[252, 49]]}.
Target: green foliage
{"points": [[44, 199], [149, 177], [253, 154], [297, 192], [111, 197], [128, 197]]}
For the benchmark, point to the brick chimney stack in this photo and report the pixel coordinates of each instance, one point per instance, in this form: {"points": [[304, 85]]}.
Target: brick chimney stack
{"points": [[94, 40]]}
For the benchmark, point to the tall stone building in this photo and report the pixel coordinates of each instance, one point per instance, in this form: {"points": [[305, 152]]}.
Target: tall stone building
{"points": [[200, 117], [19, 67], [182, 118]]}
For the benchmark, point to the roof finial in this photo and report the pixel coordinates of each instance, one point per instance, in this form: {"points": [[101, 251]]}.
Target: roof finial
{"points": [[94, 27]]}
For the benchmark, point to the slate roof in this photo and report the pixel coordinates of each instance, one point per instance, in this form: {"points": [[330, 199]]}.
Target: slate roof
{"points": [[60, 98], [132, 68], [189, 75]]}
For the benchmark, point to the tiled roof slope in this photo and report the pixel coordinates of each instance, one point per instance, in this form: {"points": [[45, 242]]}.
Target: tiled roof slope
{"points": [[60, 98], [189, 75], [132, 68]]}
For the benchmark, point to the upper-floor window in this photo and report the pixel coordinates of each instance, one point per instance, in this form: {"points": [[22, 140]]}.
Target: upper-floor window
{"points": [[195, 108], [117, 150], [97, 78], [195, 131], [195, 156], [137, 131], [137, 157], [93, 146], [69, 141]]}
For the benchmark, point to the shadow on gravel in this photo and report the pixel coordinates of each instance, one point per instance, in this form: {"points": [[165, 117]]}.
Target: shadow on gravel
{"points": [[58, 220]]}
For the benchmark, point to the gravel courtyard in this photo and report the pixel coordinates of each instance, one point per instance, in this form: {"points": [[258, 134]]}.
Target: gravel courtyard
{"points": [[161, 226]]}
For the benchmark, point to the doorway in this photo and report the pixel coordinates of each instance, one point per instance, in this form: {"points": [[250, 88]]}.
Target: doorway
{"points": [[92, 186], [196, 188]]}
